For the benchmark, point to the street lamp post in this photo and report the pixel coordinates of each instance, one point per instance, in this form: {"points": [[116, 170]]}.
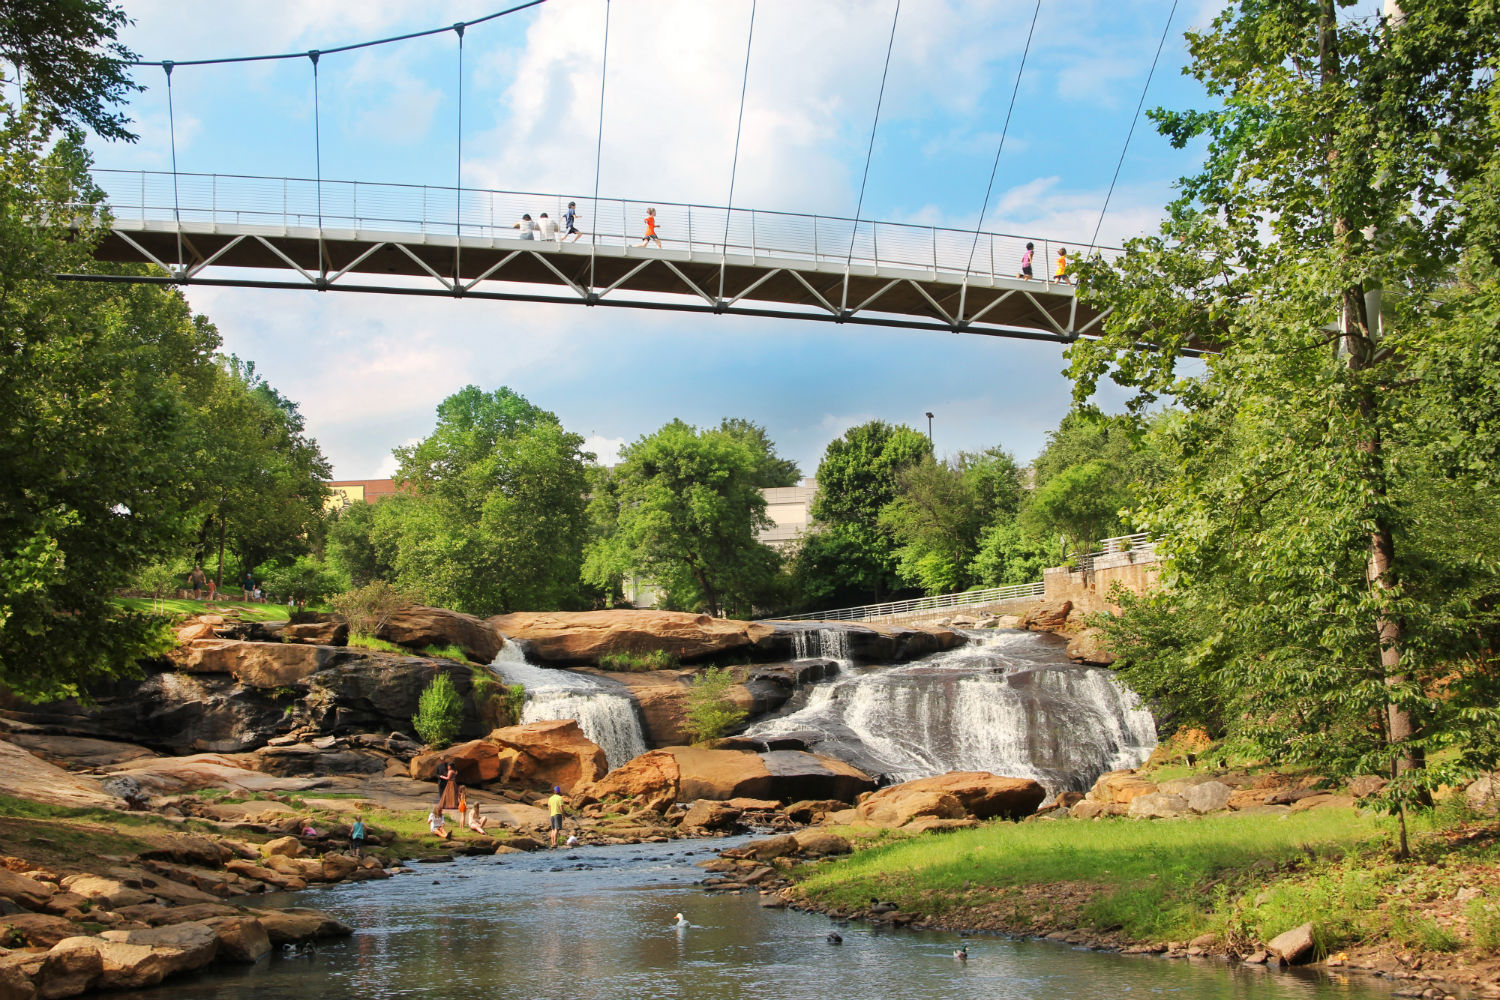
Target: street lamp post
{"points": [[929, 428]]}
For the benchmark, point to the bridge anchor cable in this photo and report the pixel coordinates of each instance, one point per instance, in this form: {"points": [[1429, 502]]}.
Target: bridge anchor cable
{"points": [[735, 162], [869, 153]]}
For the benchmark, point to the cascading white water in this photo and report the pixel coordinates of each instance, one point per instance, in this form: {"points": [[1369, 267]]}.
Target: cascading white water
{"points": [[605, 713], [1007, 703], [823, 644]]}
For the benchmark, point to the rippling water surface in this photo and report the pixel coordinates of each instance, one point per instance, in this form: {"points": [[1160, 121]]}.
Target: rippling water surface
{"points": [[596, 924]]}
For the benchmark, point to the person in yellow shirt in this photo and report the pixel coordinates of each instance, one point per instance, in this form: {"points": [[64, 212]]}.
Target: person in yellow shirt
{"points": [[555, 808], [1061, 276]]}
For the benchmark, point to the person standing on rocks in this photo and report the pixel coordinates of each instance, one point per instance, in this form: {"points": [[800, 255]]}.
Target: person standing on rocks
{"points": [[447, 779], [357, 836], [556, 807]]}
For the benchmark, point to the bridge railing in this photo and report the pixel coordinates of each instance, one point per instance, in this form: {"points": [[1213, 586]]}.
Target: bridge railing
{"points": [[919, 605], [447, 212]]}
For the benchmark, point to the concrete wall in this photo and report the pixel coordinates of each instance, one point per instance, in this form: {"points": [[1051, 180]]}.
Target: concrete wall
{"points": [[1136, 571]]}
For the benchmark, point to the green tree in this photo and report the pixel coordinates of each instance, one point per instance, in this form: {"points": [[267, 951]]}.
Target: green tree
{"points": [[439, 713], [306, 579], [495, 519], [96, 385], [858, 476], [771, 469], [1346, 158], [943, 509], [710, 710], [1008, 554], [351, 548], [71, 61], [687, 510], [1082, 503]]}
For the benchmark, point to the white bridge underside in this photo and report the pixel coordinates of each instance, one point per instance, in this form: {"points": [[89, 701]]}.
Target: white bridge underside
{"points": [[689, 280]]}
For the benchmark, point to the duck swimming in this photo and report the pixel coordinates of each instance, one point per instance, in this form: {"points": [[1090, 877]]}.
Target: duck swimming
{"points": [[835, 938], [962, 954], [681, 922]]}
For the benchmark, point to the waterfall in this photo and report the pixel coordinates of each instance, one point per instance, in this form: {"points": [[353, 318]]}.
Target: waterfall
{"points": [[604, 712], [1010, 703], [823, 644]]}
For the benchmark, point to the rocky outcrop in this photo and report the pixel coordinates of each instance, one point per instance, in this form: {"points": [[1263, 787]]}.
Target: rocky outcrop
{"points": [[550, 753], [418, 627], [26, 776], [784, 775], [651, 781], [1089, 647], [865, 642], [956, 796], [1048, 616], [329, 633], [577, 638], [255, 664]]}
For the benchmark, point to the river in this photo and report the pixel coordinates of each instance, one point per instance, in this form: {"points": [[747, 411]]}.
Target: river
{"points": [[596, 924]]}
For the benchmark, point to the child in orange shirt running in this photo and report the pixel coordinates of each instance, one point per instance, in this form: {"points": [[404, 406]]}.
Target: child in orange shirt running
{"points": [[1062, 267], [651, 229]]}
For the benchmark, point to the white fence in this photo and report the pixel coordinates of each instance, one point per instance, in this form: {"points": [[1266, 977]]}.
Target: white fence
{"points": [[921, 605]]}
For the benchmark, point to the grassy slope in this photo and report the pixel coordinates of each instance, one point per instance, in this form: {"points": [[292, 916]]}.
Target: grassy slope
{"points": [[183, 607], [1244, 878]]}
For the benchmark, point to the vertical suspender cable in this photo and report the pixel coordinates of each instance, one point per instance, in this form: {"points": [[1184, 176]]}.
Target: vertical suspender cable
{"points": [[598, 151], [1139, 104], [859, 206], [735, 163], [318, 161], [167, 64], [458, 184], [989, 188]]}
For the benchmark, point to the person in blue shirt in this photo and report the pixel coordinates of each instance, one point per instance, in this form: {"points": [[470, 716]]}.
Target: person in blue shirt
{"points": [[570, 222], [357, 837]]}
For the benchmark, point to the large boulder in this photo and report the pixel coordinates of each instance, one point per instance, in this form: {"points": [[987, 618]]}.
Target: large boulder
{"points": [[27, 893], [257, 664], [1048, 616], [176, 775], [705, 815], [784, 775], [582, 637], [26, 776], [1483, 793], [1089, 647], [418, 627], [478, 762], [296, 924], [330, 633], [108, 893], [241, 939], [1294, 946], [1158, 805], [78, 752], [68, 970], [1120, 787], [650, 781], [551, 753], [1207, 796], [35, 930], [956, 796]]}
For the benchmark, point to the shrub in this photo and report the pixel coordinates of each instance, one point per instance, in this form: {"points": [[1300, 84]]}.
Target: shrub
{"points": [[638, 663], [368, 608], [438, 713], [306, 580], [710, 712], [1484, 924]]}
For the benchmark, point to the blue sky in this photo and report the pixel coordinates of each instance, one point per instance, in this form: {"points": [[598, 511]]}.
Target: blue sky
{"points": [[369, 370]]}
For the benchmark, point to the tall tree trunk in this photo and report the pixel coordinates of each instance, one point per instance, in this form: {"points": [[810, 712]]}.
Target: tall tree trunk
{"points": [[1359, 347]]}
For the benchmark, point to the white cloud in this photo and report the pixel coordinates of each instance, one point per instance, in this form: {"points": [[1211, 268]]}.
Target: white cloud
{"points": [[606, 449]]}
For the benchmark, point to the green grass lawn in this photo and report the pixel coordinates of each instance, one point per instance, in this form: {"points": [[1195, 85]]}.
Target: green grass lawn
{"points": [[177, 606], [1150, 880]]}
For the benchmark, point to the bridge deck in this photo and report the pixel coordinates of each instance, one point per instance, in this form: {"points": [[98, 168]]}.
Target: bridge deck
{"points": [[757, 262]]}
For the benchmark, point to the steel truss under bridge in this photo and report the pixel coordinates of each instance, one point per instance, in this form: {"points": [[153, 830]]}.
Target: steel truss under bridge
{"points": [[218, 229]]}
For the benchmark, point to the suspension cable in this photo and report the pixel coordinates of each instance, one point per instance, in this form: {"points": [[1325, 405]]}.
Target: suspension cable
{"points": [[989, 188], [458, 183], [318, 158], [599, 150], [172, 131], [341, 48], [735, 163], [869, 153], [1139, 104]]}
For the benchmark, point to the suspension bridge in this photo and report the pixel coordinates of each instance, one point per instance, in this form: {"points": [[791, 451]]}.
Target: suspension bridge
{"points": [[326, 234]]}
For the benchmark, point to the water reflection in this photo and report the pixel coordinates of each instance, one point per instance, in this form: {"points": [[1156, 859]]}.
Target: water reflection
{"points": [[597, 924]]}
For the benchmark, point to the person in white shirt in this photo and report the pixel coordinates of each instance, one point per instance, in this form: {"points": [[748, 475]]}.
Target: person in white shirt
{"points": [[548, 227], [526, 226]]}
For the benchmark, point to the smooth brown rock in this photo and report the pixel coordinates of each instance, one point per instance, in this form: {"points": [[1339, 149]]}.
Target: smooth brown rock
{"points": [[27, 893], [1158, 805], [337, 867], [15, 982], [650, 781], [815, 842], [1089, 647], [903, 806], [783, 775], [768, 848], [108, 892], [24, 775], [188, 850], [287, 847], [256, 664], [1048, 616], [1294, 946], [1366, 785], [68, 969], [572, 638], [317, 633], [296, 924], [982, 794], [78, 751], [708, 815], [478, 762], [1207, 796], [241, 939], [1120, 786], [36, 930], [552, 753], [418, 627]]}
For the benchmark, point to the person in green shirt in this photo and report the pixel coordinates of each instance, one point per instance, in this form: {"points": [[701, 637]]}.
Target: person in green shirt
{"points": [[556, 805]]}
